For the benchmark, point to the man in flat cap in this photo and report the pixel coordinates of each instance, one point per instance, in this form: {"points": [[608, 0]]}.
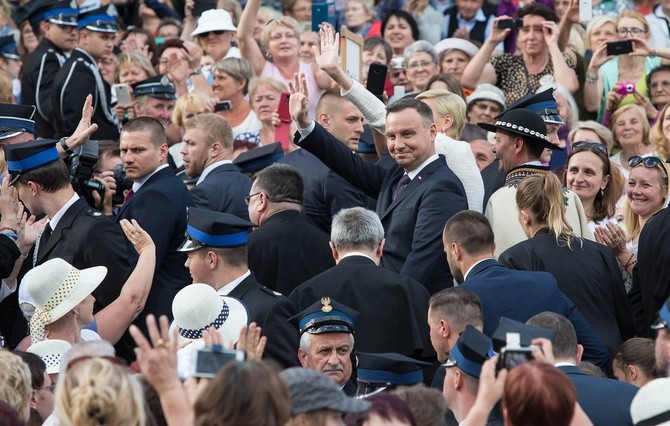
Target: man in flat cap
{"points": [[216, 245], [327, 340], [56, 23], [80, 76]]}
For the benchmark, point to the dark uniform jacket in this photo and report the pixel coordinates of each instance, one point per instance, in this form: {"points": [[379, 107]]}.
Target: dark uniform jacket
{"points": [[286, 251], [37, 79], [9, 253], [223, 190], [588, 274], [78, 78], [271, 312], [412, 222]]}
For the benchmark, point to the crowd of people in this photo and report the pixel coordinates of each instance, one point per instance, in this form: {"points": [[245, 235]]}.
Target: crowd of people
{"points": [[210, 215]]}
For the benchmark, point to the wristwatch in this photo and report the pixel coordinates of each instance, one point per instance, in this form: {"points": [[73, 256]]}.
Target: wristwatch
{"points": [[66, 148]]}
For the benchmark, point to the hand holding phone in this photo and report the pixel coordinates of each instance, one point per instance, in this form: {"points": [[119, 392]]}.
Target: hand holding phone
{"points": [[223, 106], [283, 109], [619, 47], [510, 23], [626, 88], [376, 79], [208, 362], [123, 93]]}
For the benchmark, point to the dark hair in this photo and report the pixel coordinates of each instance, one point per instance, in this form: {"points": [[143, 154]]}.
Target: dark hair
{"points": [[166, 22], [149, 125], [282, 183], [153, 408], [174, 43], [410, 103], [108, 148], [639, 352], [537, 9], [233, 256], [37, 368], [385, 405], [324, 105], [453, 85], [660, 68], [591, 369], [565, 341], [372, 42], [401, 14], [51, 177], [538, 393], [471, 230], [461, 306], [151, 42], [426, 404], [244, 393]]}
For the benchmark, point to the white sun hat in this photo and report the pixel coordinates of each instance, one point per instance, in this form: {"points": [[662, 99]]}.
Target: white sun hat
{"points": [[461, 44], [51, 352], [214, 20], [56, 287]]}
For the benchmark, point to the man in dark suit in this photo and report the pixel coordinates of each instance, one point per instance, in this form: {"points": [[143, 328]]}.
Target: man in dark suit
{"points": [[208, 153], [80, 76], [158, 200], [56, 22], [605, 401], [216, 246], [385, 299], [518, 295], [414, 198], [285, 250]]}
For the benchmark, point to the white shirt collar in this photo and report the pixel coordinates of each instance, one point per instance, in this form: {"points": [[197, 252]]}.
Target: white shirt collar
{"points": [[141, 181], [565, 364], [59, 214], [465, 277], [356, 253], [228, 288], [479, 17], [414, 173], [211, 167]]}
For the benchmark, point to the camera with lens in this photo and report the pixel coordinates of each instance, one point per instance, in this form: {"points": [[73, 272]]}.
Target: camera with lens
{"points": [[122, 184], [82, 165], [513, 353]]}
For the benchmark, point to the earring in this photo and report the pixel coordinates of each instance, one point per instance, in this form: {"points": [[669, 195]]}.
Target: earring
{"points": [[602, 192]]}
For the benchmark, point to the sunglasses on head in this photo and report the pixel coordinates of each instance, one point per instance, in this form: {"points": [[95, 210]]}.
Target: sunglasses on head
{"points": [[579, 145], [217, 32], [650, 162]]}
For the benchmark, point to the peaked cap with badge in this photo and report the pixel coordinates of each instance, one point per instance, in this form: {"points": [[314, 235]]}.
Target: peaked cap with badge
{"points": [[26, 156], [326, 316], [158, 86]]}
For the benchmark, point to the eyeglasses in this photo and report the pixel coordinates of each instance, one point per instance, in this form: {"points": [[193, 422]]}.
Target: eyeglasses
{"points": [[623, 31], [650, 162], [205, 35], [419, 64], [584, 145], [287, 36], [51, 387], [665, 85], [398, 73], [248, 198]]}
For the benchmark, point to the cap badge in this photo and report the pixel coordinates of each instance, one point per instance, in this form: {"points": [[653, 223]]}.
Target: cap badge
{"points": [[325, 301]]}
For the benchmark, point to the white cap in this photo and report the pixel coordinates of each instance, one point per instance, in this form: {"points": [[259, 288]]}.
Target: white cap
{"points": [[214, 20]]}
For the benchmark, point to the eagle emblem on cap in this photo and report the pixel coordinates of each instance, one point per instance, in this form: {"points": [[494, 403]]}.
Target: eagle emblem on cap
{"points": [[325, 301]]}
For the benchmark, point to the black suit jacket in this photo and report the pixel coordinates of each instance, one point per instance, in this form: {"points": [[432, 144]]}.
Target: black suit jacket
{"points": [[412, 222], [325, 192], [520, 295], [286, 251], [651, 278], [493, 179], [72, 84], [271, 312], [37, 77], [605, 401], [160, 208], [223, 190], [9, 253], [386, 301], [589, 275]]}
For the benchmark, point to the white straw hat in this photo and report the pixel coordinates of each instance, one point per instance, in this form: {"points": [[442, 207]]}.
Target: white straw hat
{"points": [[51, 352], [456, 43], [214, 20], [198, 306], [651, 404], [56, 287]]}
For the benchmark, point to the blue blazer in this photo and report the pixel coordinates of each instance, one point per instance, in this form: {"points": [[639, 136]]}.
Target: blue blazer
{"points": [[520, 295], [223, 190], [605, 401], [412, 222]]}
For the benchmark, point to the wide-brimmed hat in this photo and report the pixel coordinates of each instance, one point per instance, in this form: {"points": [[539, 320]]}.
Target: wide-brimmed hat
{"points": [[487, 92], [51, 352], [56, 287], [651, 404], [198, 306], [214, 20], [525, 123], [313, 391], [465, 46]]}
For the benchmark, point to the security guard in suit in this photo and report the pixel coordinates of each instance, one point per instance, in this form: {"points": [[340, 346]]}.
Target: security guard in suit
{"points": [[80, 77], [58, 23]]}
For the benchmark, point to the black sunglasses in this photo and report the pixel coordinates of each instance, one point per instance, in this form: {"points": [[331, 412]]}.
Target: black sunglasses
{"points": [[217, 32], [648, 162], [580, 145]]}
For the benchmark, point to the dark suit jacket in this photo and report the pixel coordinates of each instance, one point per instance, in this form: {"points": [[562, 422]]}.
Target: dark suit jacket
{"points": [[325, 192], [223, 190], [386, 301], [493, 179], [160, 208], [271, 312], [605, 401], [71, 85], [588, 275], [651, 278], [519, 295], [286, 251], [37, 78], [412, 222], [9, 253]]}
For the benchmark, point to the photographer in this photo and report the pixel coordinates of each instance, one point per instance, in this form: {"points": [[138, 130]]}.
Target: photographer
{"points": [[109, 171]]}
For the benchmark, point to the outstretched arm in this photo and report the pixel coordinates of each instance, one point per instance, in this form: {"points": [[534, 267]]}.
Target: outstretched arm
{"points": [[245, 36], [478, 69]]}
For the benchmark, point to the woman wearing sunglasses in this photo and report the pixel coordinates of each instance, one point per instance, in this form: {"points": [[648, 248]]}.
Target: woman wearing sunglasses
{"points": [[590, 175], [646, 194]]}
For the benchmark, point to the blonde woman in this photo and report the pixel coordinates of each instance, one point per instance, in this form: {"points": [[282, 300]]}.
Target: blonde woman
{"points": [[630, 129], [660, 134], [187, 106]]}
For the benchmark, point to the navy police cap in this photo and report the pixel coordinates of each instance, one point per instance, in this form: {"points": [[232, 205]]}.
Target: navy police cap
{"points": [[158, 86], [390, 369], [326, 316], [470, 351], [16, 119], [543, 104], [98, 20], [25, 156], [259, 158], [206, 228], [663, 320], [8, 48], [526, 333], [60, 13]]}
